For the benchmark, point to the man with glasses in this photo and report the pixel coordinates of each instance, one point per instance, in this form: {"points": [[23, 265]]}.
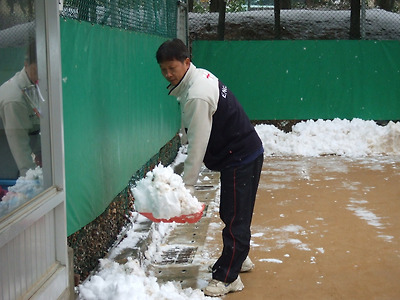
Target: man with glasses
{"points": [[19, 121]]}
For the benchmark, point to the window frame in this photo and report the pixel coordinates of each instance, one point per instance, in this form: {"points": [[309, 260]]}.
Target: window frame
{"points": [[53, 197]]}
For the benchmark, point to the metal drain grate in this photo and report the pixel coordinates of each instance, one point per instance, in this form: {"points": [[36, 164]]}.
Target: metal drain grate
{"points": [[178, 255], [204, 187]]}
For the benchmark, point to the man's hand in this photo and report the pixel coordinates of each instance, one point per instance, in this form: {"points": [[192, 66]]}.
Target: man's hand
{"points": [[178, 169], [38, 159], [2, 192]]}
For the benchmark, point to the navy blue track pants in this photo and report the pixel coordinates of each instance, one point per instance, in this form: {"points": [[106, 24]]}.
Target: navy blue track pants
{"points": [[238, 194]]}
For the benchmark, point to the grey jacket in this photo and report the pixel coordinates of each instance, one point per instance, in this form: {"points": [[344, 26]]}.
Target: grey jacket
{"points": [[18, 123]]}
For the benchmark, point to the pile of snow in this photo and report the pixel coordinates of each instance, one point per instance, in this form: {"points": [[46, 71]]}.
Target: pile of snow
{"points": [[163, 193], [129, 282], [25, 188], [355, 138]]}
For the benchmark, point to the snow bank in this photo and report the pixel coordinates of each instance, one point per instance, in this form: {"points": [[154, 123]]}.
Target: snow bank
{"points": [[355, 138], [163, 193], [25, 188]]}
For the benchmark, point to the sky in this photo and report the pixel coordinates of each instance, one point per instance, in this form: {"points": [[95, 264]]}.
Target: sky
{"points": [[355, 138]]}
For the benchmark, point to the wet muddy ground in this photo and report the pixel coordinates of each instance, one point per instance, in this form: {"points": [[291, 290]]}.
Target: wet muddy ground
{"points": [[326, 228], [323, 228]]}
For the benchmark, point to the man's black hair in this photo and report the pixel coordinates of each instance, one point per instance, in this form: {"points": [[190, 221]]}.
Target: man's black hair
{"points": [[30, 56], [172, 50]]}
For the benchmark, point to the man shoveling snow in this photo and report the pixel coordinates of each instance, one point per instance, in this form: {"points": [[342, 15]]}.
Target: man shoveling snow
{"points": [[220, 134]]}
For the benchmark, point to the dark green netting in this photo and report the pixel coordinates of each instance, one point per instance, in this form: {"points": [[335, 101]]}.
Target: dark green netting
{"points": [[153, 17]]}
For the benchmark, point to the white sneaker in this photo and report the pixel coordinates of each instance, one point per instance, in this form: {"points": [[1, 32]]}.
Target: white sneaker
{"points": [[246, 266], [218, 288]]}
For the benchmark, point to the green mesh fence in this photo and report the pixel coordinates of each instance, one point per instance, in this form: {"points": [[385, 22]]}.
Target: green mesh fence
{"points": [[294, 19], [152, 17], [17, 28]]}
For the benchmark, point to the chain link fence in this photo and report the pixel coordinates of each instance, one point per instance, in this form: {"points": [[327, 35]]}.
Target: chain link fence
{"points": [[152, 17], [17, 22], [17, 17], [294, 19]]}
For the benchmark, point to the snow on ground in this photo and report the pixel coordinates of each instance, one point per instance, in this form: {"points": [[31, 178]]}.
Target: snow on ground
{"points": [[305, 24], [130, 280], [355, 138], [337, 137]]}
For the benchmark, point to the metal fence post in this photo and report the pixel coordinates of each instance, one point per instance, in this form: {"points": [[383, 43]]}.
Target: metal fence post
{"points": [[277, 15], [182, 25], [355, 20], [221, 20], [363, 17]]}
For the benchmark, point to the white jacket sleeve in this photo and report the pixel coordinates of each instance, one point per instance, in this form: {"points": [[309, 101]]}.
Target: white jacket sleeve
{"points": [[197, 118], [17, 125]]}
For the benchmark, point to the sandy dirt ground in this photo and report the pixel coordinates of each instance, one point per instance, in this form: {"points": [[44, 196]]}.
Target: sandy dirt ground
{"points": [[325, 228]]}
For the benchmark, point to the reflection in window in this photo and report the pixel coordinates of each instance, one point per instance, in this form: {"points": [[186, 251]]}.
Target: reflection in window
{"points": [[21, 176]]}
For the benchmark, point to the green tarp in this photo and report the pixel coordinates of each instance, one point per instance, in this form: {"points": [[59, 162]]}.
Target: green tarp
{"points": [[308, 79], [117, 114]]}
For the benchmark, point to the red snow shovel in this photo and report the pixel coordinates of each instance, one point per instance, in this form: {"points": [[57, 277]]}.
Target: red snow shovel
{"points": [[192, 218]]}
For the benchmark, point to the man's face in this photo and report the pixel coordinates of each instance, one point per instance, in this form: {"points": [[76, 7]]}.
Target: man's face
{"points": [[32, 72], [174, 70]]}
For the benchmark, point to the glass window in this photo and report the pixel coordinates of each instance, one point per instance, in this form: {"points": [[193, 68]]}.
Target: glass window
{"points": [[23, 106]]}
